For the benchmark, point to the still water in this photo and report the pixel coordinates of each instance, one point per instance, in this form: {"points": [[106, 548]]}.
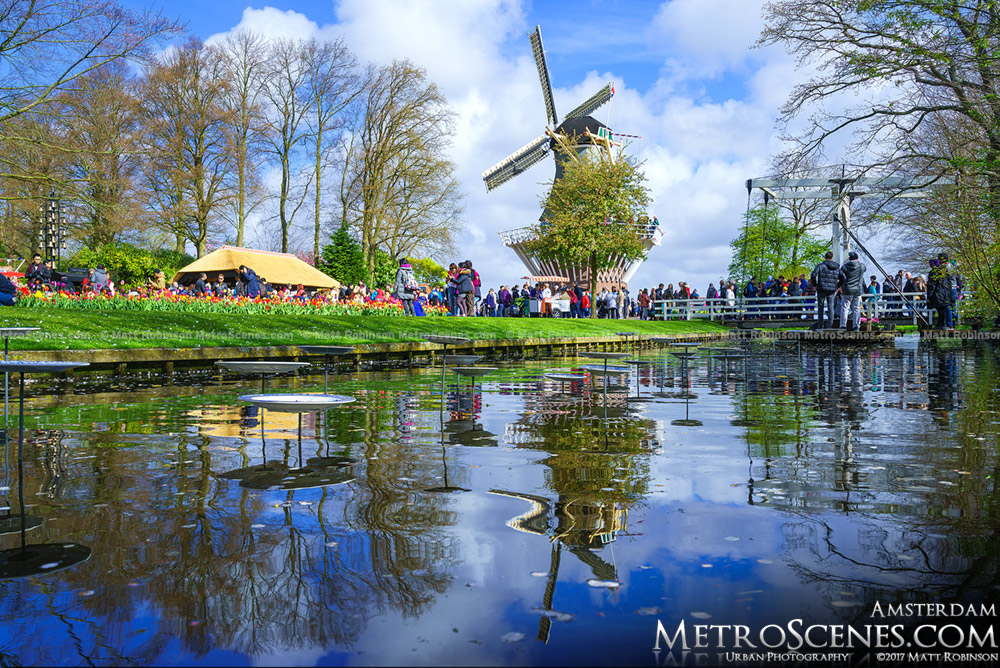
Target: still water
{"points": [[528, 523]]}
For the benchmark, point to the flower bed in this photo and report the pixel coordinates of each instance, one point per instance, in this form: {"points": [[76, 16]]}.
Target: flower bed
{"points": [[171, 303]]}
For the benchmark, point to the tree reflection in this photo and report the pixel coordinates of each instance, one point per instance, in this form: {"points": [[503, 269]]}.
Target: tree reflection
{"points": [[220, 566], [910, 455]]}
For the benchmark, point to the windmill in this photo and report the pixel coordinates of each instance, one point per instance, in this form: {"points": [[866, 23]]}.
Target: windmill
{"points": [[581, 132]]}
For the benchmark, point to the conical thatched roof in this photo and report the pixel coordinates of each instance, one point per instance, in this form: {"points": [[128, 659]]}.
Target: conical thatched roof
{"points": [[277, 268]]}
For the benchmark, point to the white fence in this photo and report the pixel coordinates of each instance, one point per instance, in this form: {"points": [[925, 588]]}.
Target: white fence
{"points": [[884, 307]]}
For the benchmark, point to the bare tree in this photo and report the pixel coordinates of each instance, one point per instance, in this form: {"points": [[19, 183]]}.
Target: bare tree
{"points": [[425, 210], [244, 60], [286, 92], [912, 62], [31, 170], [805, 215], [404, 181], [99, 120], [189, 151], [333, 85], [47, 44]]}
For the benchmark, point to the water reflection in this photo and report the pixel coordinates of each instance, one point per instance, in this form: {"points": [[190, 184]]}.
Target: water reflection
{"points": [[783, 484], [31, 559]]}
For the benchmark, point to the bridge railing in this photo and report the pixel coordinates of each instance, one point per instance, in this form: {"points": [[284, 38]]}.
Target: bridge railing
{"points": [[883, 307]]}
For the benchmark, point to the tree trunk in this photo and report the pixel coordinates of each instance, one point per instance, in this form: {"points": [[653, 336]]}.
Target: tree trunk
{"points": [[593, 284], [285, 187], [319, 163], [179, 239], [241, 197]]}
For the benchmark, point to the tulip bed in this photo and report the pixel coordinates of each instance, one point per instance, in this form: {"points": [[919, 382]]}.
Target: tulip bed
{"points": [[167, 302]]}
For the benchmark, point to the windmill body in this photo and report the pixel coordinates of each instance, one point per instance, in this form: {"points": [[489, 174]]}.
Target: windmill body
{"points": [[581, 132]]}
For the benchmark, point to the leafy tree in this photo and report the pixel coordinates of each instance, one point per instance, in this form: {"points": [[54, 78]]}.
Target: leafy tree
{"points": [[426, 270], [927, 85], [587, 208], [771, 245], [385, 269]]}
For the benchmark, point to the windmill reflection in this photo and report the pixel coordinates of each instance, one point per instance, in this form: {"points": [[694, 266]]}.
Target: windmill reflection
{"points": [[578, 526], [597, 468]]}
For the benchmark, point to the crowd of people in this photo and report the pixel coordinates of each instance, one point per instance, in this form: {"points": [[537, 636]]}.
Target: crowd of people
{"points": [[830, 291], [832, 295]]}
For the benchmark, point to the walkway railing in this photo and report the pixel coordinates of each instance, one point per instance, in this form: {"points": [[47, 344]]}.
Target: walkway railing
{"points": [[884, 307]]}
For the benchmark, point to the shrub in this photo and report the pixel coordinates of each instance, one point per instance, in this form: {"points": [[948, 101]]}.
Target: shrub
{"points": [[128, 264]]}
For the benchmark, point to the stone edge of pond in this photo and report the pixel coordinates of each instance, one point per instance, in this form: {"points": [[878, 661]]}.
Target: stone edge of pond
{"points": [[407, 352]]}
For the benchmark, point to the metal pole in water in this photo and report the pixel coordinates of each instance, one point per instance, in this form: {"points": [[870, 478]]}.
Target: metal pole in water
{"points": [[20, 465], [605, 382], [444, 363], [6, 386], [263, 442]]}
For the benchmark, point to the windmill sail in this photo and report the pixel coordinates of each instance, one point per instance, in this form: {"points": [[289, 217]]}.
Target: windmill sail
{"points": [[596, 101], [517, 162], [543, 74]]}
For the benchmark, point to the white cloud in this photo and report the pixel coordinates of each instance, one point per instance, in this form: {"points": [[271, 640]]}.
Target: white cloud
{"points": [[712, 35], [273, 23]]}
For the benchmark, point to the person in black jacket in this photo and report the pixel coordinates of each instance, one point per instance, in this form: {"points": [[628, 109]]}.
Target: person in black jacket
{"points": [[826, 278], [38, 275], [939, 293], [200, 285], [852, 286]]}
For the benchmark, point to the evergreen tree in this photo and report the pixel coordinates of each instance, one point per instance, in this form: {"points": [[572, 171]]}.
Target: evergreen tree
{"points": [[342, 258]]}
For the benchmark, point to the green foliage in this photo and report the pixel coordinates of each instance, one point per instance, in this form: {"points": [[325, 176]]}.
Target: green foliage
{"points": [[343, 259], [385, 270], [768, 246], [587, 210], [426, 270], [128, 264]]}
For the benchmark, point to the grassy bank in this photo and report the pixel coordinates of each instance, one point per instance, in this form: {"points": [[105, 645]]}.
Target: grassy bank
{"points": [[95, 330]]}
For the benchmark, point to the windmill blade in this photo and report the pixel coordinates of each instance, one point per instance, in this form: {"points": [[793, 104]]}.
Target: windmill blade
{"points": [[517, 162], [596, 101], [543, 74]]}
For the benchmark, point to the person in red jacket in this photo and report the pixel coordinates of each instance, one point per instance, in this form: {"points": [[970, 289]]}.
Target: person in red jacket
{"points": [[585, 305]]}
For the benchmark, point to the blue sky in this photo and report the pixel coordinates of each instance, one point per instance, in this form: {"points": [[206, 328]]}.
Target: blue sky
{"points": [[686, 80]]}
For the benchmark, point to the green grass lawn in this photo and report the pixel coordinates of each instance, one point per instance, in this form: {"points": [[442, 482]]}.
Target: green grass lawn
{"points": [[94, 330]]}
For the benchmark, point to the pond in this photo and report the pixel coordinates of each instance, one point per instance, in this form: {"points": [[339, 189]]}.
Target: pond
{"points": [[531, 522]]}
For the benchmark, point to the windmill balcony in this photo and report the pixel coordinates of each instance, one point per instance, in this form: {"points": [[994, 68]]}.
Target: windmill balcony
{"points": [[648, 231]]}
